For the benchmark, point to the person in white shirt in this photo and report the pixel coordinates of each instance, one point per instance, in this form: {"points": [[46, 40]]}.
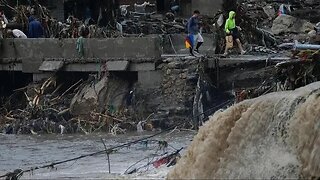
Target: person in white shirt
{"points": [[17, 33]]}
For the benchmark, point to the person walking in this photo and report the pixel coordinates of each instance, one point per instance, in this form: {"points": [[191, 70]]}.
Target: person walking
{"points": [[232, 31], [194, 33]]}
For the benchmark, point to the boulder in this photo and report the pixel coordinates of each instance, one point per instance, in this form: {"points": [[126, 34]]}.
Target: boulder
{"points": [[108, 94], [86, 100], [290, 24], [269, 11]]}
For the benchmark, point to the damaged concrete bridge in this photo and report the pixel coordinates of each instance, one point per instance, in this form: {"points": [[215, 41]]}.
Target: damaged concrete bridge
{"points": [[140, 80], [167, 83], [42, 57]]}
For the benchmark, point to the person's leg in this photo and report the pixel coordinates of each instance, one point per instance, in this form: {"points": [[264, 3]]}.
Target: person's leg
{"points": [[199, 42], [193, 42], [226, 48], [236, 36], [191, 51], [240, 46], [198, 45]]}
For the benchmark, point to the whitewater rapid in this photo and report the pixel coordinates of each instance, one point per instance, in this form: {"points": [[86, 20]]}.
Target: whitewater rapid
{"points": [[272, 136]]}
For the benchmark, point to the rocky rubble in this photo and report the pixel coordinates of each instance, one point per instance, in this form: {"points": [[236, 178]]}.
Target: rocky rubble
{"points": [[178, 88], [172, 103], [289, 24], [272, 22]]}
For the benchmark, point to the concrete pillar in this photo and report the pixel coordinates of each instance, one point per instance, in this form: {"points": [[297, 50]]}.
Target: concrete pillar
{"points": [[40, 76]]}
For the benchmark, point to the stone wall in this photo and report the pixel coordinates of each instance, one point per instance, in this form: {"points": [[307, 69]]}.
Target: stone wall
{"points": [[171, 101]]}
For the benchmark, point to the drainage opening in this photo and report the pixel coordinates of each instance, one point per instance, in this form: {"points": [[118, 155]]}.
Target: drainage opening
{"points": [[11, 83]]}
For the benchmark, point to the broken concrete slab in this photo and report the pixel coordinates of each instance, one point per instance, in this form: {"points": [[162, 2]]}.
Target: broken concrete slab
{"points": [[51, 66], [96, 67], [39, 77], [147, 66], [104, 96], [117, 65], [86, 100]]}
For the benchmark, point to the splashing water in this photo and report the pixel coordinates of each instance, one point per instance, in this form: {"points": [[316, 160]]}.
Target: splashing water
{"points": [[272, 136]]}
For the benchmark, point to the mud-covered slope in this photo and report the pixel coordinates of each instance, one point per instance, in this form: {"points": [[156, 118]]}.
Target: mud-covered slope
{"points": [[273, 136]]}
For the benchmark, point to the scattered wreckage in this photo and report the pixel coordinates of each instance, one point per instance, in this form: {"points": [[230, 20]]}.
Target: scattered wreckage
{"points": [[129, 23]]}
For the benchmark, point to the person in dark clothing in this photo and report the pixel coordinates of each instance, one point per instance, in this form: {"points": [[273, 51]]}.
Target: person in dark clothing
{"points": [[35, 28], [194, 32]]}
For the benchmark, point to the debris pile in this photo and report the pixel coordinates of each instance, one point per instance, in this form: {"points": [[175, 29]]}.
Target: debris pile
{"points": [[41, 109], [111, 103], [85, 106], [128, 24]]}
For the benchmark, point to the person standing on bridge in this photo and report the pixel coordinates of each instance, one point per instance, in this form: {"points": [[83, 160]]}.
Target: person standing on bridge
{"points": [[35, 28], [194, 33], [232, 32]]}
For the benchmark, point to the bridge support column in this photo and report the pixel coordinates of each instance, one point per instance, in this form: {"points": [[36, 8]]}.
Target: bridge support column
{"points": [[41, 76]]}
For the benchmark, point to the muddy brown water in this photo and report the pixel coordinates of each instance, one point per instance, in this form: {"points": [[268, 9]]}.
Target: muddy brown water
{"points": [[275, 136], [27, 151]]}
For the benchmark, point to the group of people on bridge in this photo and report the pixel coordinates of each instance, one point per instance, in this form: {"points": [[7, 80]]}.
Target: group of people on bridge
{"points": [[193, 42], [194, 39], [35, 28]]}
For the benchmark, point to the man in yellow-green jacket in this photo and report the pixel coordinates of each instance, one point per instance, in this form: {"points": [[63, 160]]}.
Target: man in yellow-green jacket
{"points": [[233, 30]]}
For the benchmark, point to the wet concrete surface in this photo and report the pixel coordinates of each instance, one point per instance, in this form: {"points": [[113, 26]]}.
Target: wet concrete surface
{"points": [[25, 152]]}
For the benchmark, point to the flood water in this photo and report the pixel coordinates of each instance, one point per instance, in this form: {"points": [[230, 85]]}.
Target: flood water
{"points": [[275, 136], [28, 151]]}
